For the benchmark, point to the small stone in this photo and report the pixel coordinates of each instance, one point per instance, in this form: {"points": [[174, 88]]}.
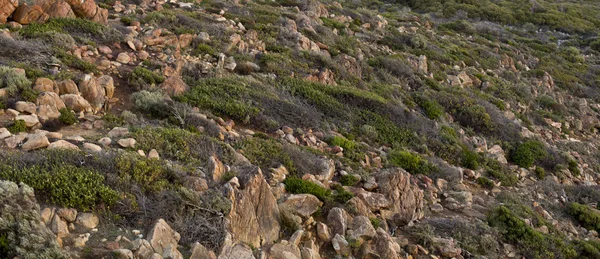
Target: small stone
{"points": [[105, 141], [123, 58], [153, 154]]}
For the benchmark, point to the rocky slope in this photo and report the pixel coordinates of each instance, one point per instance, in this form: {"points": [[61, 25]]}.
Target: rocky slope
{"points": [[299, 129]]}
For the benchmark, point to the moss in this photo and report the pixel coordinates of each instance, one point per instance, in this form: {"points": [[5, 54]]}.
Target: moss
{"points": [[67, 116], [413, 163], [298, 186]]}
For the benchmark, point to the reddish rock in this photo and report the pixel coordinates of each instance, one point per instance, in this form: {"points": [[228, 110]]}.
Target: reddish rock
{"points": [[7, 7], [26, 14]]}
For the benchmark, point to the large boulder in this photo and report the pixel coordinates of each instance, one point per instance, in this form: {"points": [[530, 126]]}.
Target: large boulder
{"points": [[35, 141], [162, 237], [43, 84], [89, 10], [26, 14], [174, 86], [108, 84], [26, 233], [58, 9], [30, 120], [254, 216], [68, 87], [405, 197], [76, 102], [7, 7], [303, 205], [48, 106], [93, 92]]}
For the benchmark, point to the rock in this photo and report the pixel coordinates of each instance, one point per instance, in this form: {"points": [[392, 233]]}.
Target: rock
{"points": [[89, 147], [108, 84], [174, 86], [105, 141], [26, 14], [323, 232], [43, 84], [446, 247], [216, 168], [254, 217], [284, 250], [162, 236], [49, 105], [93, 92], [123, 58], [30, 120], [171, 252], [4, 133], [25, 107], [59, 227], [437, 208], [68, 87], [341, 246], [247, 67], [25, 231], [338, 220], [59, 9], [203, 37], [81, 240], [196, 183], [200, 252], [118, 132], [406, 198], [76, 103], [127, 142], [496, 152], [237, 251], [362, 228], [327, 170], [89, 10], [278, 175], [62, 144], [87, 220], [14, 140], [35, 141], [185, 40], [7, 7], [465, 80], [70, 215], [375, 201], [303, 205], [153, 154], [386, 247], [122, 254]]}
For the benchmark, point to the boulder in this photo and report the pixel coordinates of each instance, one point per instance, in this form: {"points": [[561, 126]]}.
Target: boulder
{"points": [[385, 246], [89, 10], [236, 251], [285, 250], [59, 226], [49, 105], [7, 7], [254, 216], [87, 220], [362, 228], [162, 236], [303, 205], [341, 246], [4, 133], [76, 103], [127, 142], [338, 220], [25, 107], [68, 214], [58, 9], [62, 144], [496, 152], [200, 252], [93, 92], [26, 14], [405, 197], [174, 86], [30, 120], [118, 132], [89, 147], [108, 84], [43, 84], [68, 87], [35, 141], [216, 168]]}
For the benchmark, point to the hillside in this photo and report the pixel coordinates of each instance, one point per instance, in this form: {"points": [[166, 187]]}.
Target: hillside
{"points": [[299, 129]]}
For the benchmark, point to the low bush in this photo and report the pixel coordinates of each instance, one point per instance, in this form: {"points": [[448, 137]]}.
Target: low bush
{"points": [[67, 116], [17, 126], [540, 172], [526, 154], [432, 109], [587, 216], [346, 144], [349, 180], [150, 174], [298, 186], [64, 185], [573, 167], [76, 27], [341, 195], [144, 79], [150, 103], [413, 163], [485, 182], [266, 153], [470, 159]]}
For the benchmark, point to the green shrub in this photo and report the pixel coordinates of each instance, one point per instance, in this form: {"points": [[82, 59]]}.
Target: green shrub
{"points": [[573, 167], [413, 163], [470, 159], [588, 217], [528, 153], [113, 120], [142, 78], [346, 144], [17, 126], [349, 180], [150, 103], [203, 49], [298, 186], [595, 45], [341, 195], [267, 154], [64, 185], [74, 26], [532, 243], [67, 116], [375, 222], [485, 182], [150, 174], [540, 172], [4, 246], [432, 109], [229, 175]]}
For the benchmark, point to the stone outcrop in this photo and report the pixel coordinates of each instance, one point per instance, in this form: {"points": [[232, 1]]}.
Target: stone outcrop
{"points": [[254, 216], [406, 198], [7, 7]]}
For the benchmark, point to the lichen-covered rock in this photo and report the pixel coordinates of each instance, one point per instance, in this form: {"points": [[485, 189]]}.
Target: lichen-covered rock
{"points": [[27, 235]]}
